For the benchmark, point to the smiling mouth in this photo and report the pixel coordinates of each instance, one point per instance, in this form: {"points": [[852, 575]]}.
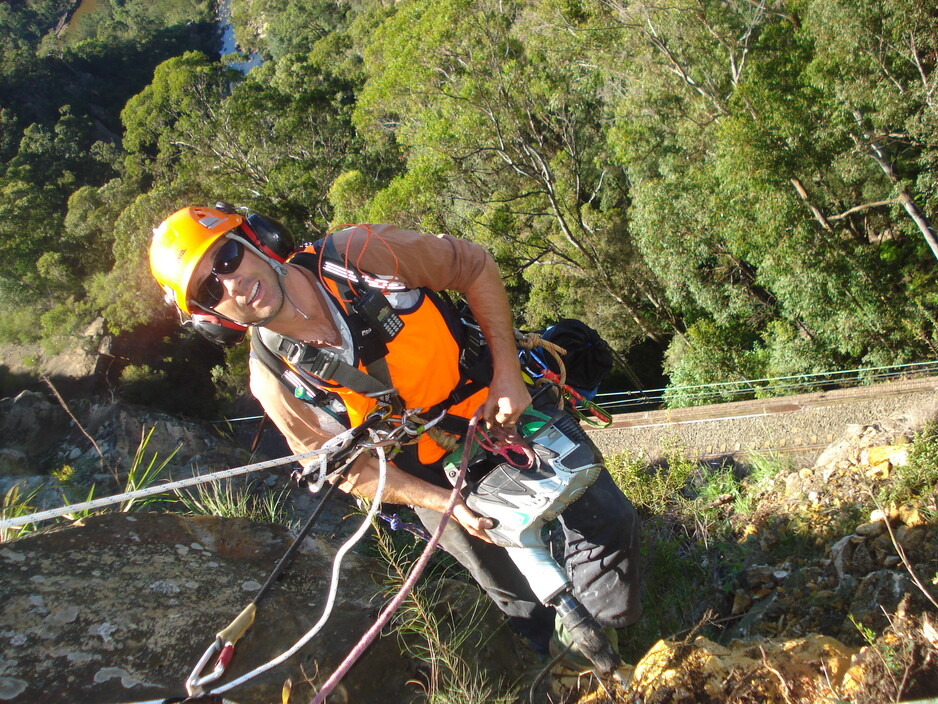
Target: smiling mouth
{"points": [[254, 292]]}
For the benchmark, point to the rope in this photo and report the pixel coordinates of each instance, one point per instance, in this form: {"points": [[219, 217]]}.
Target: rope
{"points": [[409, 583], [165, 488], [528, 341], [333, 585]]}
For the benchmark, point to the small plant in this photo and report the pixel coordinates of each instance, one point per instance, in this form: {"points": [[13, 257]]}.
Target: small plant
{"points": [[16, 503], [434, 633], [141, 476], [920, 473], [652, 488], [78, 515], [223, 499]]}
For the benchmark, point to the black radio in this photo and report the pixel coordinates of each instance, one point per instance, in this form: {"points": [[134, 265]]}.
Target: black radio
{"points": [[377, 312]]}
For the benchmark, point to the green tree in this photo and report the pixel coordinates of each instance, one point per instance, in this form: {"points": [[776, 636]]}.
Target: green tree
{"points": [[498, 119]]}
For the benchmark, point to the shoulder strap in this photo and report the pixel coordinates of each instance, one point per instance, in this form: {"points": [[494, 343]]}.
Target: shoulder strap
{"points": [[322, 363]]}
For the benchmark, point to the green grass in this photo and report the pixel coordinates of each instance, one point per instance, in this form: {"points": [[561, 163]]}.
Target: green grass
{"points": [[225, 499], [143, 474], [16, 503], [441, 628], [698, 538], [919, 476]]}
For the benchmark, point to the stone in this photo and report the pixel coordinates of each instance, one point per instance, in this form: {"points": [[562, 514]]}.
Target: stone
{"points": [[911, 516], [895, 455], [750, 670], [872, 529], [911, 537], [31, 424], [879, 473], [111, 611], [878, 593], [14, 462]]}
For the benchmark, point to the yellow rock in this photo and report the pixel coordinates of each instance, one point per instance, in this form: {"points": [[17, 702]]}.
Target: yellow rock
{"points": [[879, 472], [910, 515], [812, 667]]}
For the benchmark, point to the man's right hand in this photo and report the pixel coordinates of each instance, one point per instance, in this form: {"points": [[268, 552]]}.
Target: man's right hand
{"points": [[472, 523]]}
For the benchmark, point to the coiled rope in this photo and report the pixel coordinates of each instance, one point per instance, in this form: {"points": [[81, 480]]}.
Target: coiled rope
{"points": [[530, 340]]}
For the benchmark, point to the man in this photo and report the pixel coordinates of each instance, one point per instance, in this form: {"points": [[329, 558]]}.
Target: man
{"points": [[357, 312]]}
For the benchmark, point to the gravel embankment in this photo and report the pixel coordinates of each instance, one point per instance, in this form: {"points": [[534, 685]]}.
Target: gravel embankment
{"points": [[800, 425]]}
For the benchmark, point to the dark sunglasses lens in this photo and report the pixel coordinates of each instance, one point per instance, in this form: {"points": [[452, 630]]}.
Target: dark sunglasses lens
{"points": [[210, 292], [228, 258]]}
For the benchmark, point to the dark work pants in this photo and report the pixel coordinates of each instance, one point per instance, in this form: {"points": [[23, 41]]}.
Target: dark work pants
{"points": [[601, 557]]}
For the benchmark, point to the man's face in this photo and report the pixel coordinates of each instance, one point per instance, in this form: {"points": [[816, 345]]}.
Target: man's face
{"points": [[235, 282]]}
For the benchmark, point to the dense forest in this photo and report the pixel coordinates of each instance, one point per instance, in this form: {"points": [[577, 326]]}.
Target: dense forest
{"points": [[726, 189]]}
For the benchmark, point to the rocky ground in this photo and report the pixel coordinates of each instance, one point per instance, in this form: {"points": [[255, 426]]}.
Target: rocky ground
{"points": [[833, 601], [850, 617]]}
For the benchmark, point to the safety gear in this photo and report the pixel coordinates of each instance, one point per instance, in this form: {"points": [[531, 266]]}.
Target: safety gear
{"points": [[226, 261], [180, 242], [385, 352], [216, 328]]}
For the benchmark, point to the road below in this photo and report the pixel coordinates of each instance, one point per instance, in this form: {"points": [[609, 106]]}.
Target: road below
{"points": [[802, 425]]}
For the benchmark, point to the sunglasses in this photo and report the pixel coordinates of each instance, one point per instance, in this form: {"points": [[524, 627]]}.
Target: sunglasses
{"points": [[226, 261]]}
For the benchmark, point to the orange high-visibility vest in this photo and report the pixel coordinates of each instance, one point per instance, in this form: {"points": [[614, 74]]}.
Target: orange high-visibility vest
{"points": [[423, 360]]}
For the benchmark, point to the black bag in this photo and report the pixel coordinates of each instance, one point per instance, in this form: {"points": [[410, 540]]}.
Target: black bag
{"points": [[588, 360]]}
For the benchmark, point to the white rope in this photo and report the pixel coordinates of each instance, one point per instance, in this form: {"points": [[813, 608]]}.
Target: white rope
{"points": [[333, 585], [94, 504]]}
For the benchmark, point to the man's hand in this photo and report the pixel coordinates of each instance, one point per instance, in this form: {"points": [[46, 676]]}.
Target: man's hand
{"points": [[473, 524], [507, 399]]}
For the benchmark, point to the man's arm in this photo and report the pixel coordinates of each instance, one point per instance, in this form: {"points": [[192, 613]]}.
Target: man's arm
{"points": [[446, 262], [508, 395], [403, 488]]}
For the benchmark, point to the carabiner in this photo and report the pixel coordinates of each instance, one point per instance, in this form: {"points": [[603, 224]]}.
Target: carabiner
{"points": [[599, 419], [195, 685], [415, 430], [224, 645]]}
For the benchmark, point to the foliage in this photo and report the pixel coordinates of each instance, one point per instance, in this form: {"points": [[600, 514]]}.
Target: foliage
{"points": [[698, 538], [16, 503], [438, 627], [224, 499], [749, 185], [144, 474], [918, 477]]}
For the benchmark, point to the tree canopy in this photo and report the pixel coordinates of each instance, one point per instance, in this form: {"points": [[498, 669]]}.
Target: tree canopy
{"points": [[749, 186]]}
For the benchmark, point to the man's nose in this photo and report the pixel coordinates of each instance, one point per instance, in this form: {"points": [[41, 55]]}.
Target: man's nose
{"points": [[231, 282]]}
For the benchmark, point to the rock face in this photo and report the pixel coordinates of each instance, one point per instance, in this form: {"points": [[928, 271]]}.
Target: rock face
{"points": [[121, 608]]}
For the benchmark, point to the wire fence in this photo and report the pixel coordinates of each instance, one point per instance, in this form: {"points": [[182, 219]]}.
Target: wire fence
{"points": [[739, 390], [725, 391]]}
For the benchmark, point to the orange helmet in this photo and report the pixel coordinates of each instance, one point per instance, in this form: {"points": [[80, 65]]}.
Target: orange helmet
{"points": [[179, 243]]}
